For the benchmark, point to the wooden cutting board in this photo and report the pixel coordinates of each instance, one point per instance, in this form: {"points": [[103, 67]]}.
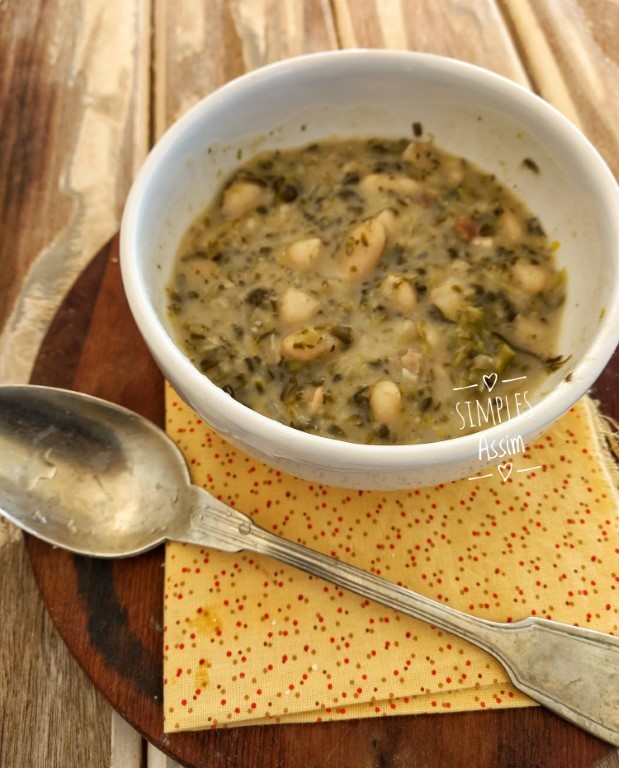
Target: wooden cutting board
{"points": [[110, 613]]}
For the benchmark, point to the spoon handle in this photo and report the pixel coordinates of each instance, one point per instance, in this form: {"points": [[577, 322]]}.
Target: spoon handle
{"points": [[570, 670]]}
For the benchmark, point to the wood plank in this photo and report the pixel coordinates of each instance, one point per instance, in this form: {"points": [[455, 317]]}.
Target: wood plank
{"points": [[571, 52], [611, 761], [43, 700], [74, 129], [470, 30], [201, 44]]}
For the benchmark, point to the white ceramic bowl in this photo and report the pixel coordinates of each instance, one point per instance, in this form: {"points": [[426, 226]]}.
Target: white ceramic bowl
{"points": [[470, 112]]}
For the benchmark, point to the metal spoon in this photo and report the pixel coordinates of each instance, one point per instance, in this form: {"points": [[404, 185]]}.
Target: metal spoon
{"points": [[97, 479]]}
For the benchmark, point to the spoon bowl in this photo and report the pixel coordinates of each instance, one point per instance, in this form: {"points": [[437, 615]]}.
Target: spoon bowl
{"points": [[97, 479], [87, 476]]}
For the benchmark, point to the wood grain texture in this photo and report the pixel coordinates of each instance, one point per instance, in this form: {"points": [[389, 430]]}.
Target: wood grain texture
{"points": [[470, 30], [42, 700], [202, 44], [571, 52], [73, 130], [611, 761]]}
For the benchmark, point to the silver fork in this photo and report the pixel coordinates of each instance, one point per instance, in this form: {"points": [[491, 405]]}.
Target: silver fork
{"points": [[570, 670]]}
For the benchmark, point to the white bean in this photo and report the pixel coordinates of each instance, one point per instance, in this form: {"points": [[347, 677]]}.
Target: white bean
{"points": [[531, 334], [385, 402], [389, 182], [510, 227], [241, 196], [449, 298], [399, 294], [362, 249], [388, 218], [318, 400], [528, 276], [296, 307], [308, 343], [304, 255], [419, 154], [487, 243]]}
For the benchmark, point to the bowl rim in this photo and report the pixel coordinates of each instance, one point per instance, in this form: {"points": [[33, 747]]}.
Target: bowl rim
{"points": [[334, 453]]}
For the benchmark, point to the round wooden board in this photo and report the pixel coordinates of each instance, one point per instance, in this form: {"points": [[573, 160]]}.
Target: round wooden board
{"points": [[110, 613]]}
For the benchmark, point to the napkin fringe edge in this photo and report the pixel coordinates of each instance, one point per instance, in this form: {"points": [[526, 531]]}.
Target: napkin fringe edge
{"points": [[607, 430]]}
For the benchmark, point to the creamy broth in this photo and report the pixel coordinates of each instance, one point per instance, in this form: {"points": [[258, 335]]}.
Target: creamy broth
{"points": [[370, 290]]}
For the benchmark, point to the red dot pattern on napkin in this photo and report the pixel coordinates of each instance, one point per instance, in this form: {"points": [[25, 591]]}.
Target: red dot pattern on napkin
{"points": [[250, 640]]}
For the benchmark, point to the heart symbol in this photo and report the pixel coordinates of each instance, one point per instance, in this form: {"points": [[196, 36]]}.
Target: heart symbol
{"points": [[505, 470], [490, 379]]}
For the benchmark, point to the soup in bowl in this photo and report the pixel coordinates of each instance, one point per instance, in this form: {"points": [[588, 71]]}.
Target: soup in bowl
{"points": [[372, 268]]}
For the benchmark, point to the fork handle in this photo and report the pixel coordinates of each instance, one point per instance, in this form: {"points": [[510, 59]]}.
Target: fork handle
{"points": [[216, 524]]}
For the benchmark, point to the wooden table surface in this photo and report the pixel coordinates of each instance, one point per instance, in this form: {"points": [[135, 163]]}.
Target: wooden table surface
{"points": [[86, 86]]}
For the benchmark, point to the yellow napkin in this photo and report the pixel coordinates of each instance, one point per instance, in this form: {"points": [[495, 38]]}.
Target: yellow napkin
{"points": [[248, 640]]}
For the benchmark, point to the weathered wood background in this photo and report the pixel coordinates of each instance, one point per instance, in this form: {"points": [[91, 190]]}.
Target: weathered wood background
{"points": [[85, 87]]}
